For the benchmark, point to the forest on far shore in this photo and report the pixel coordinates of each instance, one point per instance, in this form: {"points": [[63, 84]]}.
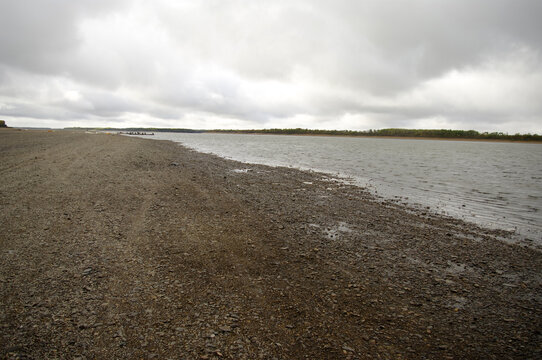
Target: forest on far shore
{"points": [[411, 133], [416, 133]]}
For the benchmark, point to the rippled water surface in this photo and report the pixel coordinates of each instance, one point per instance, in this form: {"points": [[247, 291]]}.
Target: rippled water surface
{"points": [[494, 184]]}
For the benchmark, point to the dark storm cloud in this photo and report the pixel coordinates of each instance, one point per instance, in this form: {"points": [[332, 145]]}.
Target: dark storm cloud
{"points": [[339, 64]]}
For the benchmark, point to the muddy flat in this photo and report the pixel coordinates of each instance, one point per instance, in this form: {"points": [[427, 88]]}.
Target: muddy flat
{"points": [[118, 247]]}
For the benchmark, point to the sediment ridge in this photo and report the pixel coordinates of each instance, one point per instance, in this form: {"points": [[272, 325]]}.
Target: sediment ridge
{"points": [[118, 247]]}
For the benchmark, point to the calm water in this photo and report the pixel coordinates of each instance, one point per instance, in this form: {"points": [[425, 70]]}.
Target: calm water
{"points": [[494, 184]]}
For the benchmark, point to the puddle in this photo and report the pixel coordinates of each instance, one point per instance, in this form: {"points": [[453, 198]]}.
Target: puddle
{"points": [[334, 232], [241, 171], [454, 268], [457, 302]]}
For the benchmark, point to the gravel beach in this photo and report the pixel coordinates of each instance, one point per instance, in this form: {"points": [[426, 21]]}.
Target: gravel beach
{"points": [[119, 247]]}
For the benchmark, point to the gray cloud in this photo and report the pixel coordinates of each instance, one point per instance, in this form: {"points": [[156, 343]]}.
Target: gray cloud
{"points": [[338, 64], [36, 35]]}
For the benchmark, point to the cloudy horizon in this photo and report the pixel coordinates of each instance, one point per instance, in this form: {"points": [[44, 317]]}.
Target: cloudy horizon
{"points": [[233, 64]]}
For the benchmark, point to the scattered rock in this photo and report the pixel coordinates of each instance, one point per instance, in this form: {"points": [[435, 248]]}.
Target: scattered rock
{"points": [[225, 328]]}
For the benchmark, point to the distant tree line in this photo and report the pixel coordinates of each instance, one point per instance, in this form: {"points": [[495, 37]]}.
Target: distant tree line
{"points": [[3, 124], [416, 133]]}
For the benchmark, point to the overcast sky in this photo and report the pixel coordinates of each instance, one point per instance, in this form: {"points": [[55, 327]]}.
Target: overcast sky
{"points": [[337, 64]]}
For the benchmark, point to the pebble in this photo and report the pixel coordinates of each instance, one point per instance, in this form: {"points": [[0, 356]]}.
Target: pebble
{"points": [[225, 328]]}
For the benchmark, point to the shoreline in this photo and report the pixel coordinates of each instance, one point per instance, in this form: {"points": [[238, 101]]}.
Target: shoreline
{"points": [[524, 233], [507, 235], [122, 247], [319, 135]]}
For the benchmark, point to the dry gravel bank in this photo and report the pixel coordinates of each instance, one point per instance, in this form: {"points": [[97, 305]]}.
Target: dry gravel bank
{"points": [[117, 247]]}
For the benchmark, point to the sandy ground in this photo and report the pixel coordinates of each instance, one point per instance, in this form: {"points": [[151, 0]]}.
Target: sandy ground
{"points": [[118, 247]]}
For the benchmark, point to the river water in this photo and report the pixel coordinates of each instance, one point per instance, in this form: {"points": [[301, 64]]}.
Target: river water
{"points": [[498, 185]]}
